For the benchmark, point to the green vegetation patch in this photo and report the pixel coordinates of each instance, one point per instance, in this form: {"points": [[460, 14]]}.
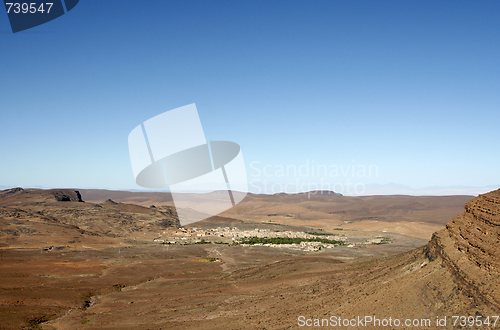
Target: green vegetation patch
{"points": [[287, 240]]}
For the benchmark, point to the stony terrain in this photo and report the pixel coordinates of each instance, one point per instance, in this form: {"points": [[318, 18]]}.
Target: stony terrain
{"points": [[135, 284], [45, 218], [456, 273], [414, 216], [469, 247]]}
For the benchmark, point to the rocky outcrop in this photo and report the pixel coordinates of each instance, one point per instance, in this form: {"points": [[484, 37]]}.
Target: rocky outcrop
{"points": [[11, 192], [60, 195], [66, 195], [469, 247]]}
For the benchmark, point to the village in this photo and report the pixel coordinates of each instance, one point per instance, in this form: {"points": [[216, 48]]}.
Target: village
{"points": [[297, 240]]}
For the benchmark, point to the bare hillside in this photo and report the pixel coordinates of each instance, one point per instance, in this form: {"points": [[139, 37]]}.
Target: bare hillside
{"points": [[32, 218], [455, 274]]}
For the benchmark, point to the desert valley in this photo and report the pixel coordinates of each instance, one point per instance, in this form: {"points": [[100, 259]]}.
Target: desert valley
{"points": [[97, 259]]}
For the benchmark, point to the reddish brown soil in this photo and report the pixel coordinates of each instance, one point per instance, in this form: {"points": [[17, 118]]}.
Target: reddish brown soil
{"points": [[145, 286]]}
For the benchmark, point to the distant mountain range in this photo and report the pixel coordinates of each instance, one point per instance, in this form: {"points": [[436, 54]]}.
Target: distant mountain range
{"points": [[369, 189]]}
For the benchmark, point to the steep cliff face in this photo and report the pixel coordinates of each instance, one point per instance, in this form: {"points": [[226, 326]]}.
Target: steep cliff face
{"points": [[469, 247], [66, 195]]}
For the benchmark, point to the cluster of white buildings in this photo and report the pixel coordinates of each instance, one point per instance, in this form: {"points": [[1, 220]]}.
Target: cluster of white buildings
{"points": [[303, 246], [266, 233], [234, 234]]}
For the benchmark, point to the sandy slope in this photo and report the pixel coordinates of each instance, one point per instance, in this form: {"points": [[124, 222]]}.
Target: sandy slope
{"points": [[120, 285], [455, 274]]}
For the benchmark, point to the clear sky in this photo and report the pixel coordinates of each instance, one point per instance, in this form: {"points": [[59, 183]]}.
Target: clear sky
{"points": [[410, 88]]}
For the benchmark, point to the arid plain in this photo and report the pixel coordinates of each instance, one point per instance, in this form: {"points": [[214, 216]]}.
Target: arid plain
{"points": [[97, 259]]}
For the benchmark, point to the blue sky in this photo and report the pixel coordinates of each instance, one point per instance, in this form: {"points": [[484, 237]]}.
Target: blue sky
{"points": [[410, 87]]}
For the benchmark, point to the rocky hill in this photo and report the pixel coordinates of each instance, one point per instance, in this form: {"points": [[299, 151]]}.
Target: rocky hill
{"points": [[469, 248], [455, 274], [36, 218]]}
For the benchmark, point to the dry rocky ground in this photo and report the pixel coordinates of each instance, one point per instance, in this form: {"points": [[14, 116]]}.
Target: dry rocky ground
{"points": [[120, 280], [414, 216]]}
